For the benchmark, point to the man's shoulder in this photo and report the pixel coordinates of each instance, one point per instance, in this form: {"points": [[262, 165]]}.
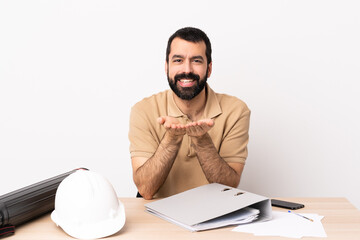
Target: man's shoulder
{"points": [[231, 103], [150, 103], [160, 98]]}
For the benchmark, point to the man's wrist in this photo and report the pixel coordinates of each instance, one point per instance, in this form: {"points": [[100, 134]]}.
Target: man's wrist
{"points": [[172, 139], [202, 142]]}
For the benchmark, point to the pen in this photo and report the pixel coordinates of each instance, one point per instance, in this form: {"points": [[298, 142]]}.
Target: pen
{"points": [[301, 216]]}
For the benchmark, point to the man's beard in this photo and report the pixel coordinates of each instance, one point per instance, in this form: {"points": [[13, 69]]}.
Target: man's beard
{"points": [[187, 93]]}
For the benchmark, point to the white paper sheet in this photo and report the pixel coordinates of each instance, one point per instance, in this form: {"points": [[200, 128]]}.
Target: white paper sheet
{"points": [[286, 224]]}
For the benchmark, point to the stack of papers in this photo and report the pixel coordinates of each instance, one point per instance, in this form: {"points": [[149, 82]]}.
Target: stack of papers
{"points": [[246, 215], [287, 224]]}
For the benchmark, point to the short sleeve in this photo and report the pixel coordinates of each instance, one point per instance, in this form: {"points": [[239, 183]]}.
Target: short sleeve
{"points": [[234, 145], [143, 140]]}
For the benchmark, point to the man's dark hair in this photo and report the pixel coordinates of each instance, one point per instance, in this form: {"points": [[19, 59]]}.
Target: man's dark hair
{"points": [[190, 34]]}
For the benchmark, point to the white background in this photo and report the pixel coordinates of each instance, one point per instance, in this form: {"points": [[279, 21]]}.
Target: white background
{"points": [[71, 70]]}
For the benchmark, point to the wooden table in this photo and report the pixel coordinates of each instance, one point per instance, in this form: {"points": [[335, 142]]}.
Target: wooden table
{"points": [[341, 222]]}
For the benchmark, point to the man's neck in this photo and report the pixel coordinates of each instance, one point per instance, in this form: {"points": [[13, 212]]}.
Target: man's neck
{"points": [[193, 108]]}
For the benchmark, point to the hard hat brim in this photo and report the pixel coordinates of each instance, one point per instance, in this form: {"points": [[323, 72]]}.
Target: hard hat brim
{"points": [[93, 230]]}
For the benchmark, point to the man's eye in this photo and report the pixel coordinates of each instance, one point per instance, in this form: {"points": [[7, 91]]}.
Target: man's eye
{"points": [[198, 61], [177, 60]]}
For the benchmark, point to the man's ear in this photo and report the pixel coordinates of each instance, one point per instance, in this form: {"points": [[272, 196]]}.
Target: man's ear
{"points": [[166, 67], [209, 70]]}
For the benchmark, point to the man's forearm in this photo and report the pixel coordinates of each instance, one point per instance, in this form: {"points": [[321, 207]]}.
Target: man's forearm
{"points": [[214, 167], [153, 173]]}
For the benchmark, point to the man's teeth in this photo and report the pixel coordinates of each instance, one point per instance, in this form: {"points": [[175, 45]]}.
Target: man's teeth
{"points": [[186, 81]]}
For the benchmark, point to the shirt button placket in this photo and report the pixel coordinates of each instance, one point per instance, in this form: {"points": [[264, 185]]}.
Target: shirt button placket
{"points": [[191, 151]]}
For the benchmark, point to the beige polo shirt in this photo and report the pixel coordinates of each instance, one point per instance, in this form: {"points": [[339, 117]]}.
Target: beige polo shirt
{"points": [[229, 135]]}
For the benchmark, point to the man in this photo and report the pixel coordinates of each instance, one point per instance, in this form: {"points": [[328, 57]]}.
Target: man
{"points": [[187, 136]]}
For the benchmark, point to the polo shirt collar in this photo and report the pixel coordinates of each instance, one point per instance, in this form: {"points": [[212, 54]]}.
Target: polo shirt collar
{"points": [[212, 107], [173, 110]]}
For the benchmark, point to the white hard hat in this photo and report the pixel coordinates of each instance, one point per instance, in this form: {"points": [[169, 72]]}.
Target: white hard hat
{"points": [[86, 206]]}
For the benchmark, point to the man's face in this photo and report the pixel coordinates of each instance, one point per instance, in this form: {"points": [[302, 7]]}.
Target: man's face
{"points": [[187, 69]]}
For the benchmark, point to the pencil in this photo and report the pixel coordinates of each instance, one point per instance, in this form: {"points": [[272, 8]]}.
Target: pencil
{"points": [[301, 216]]}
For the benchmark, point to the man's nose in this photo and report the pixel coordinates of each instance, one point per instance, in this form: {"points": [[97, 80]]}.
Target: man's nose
{"points": [[187, 67]]}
